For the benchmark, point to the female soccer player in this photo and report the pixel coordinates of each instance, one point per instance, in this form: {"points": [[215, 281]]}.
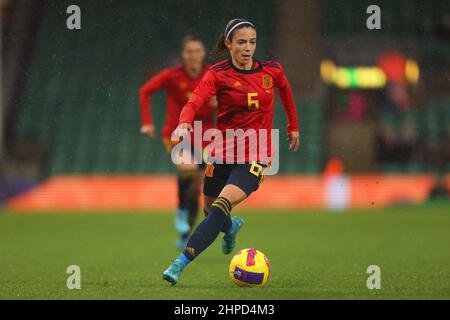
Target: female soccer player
{"points": [[179, 82], [244, 88]]}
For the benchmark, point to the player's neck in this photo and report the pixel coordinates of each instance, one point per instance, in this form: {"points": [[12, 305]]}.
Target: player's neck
{"points": [[193, 71], [247, 66]]}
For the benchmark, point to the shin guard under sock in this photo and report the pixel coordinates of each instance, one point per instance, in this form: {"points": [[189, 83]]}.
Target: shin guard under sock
{"points": [[208, 230]]}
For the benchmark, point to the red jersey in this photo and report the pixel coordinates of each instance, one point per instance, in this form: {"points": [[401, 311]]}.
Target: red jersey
{"points": [[245, 99], [179, 88]]}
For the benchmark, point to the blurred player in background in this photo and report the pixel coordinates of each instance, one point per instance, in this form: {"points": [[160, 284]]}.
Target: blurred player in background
{"points": [[245, 94], [179, 82]]}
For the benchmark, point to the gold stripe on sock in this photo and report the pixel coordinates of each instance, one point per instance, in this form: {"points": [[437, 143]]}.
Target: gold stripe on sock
{"points": [[225, 202], [220, 206]]}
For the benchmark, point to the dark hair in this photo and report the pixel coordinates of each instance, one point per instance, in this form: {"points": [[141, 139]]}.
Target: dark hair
{"points": [[188, 38], [220, 48]]}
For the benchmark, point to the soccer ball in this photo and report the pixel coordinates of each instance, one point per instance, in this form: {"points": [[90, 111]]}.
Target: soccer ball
{"points": [[249, 267]]}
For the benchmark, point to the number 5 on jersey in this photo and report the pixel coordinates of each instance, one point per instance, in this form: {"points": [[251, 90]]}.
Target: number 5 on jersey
{"points": [[253, 103]]}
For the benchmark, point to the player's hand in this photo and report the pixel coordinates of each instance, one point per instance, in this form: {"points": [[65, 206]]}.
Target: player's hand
{"points": [[213, 102], [148, 130], [181, 131], [294, 138]]}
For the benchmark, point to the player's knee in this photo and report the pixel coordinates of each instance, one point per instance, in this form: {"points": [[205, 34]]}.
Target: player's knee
{"points": [[187, 171], [233, 194]]}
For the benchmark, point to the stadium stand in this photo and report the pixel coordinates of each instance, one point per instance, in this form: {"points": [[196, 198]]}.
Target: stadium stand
{"points": [[80, 98], [87, 120]]}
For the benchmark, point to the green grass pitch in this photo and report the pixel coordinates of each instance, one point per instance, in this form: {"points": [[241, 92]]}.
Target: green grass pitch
{"points": [[313, 255]]}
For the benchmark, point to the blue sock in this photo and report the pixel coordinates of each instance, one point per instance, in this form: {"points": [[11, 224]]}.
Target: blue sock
{"points": [[184, 260], [226, 225], [183, 184], [208, 230]]}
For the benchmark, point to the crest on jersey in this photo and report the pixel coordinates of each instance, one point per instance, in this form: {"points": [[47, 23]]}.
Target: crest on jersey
{"points": [[267, 82]]}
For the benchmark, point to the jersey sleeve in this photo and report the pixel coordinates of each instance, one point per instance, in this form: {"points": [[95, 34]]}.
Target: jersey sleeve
{"points": [[287, 100], [154, 84], [202, 94], [280, 78]]}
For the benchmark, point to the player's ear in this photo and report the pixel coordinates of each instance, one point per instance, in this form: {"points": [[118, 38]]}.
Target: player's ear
{"points": [[227, 43]]}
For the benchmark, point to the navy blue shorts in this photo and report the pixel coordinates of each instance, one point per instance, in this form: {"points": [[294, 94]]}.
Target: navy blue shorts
{"points": [[246, 176]]}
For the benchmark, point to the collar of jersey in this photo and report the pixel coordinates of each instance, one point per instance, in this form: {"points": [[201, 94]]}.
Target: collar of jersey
{"points": [[257, 69]]}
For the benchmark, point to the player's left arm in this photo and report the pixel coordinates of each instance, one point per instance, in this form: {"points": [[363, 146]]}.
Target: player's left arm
{"points": [[287, 100]]}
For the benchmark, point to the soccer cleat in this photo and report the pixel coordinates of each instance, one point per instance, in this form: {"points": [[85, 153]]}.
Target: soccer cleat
{"points": [[229, 238], [181, 243], [181, 221], [172, 274]]}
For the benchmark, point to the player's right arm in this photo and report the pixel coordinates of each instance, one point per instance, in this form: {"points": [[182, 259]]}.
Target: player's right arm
{"points": [[154, 84], [201, 95]]}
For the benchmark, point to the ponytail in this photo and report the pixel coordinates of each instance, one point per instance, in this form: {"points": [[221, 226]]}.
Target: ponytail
{"points": [[220, 48]]}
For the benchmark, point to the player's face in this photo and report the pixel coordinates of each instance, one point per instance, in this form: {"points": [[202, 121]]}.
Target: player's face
{"points": [[243, 45], [193, 54]]}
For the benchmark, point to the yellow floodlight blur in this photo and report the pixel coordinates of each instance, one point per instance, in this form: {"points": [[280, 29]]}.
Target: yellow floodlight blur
{"points": [[412, 71], [342, 78], [327, 70], [370, 77], [354, 77]]}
